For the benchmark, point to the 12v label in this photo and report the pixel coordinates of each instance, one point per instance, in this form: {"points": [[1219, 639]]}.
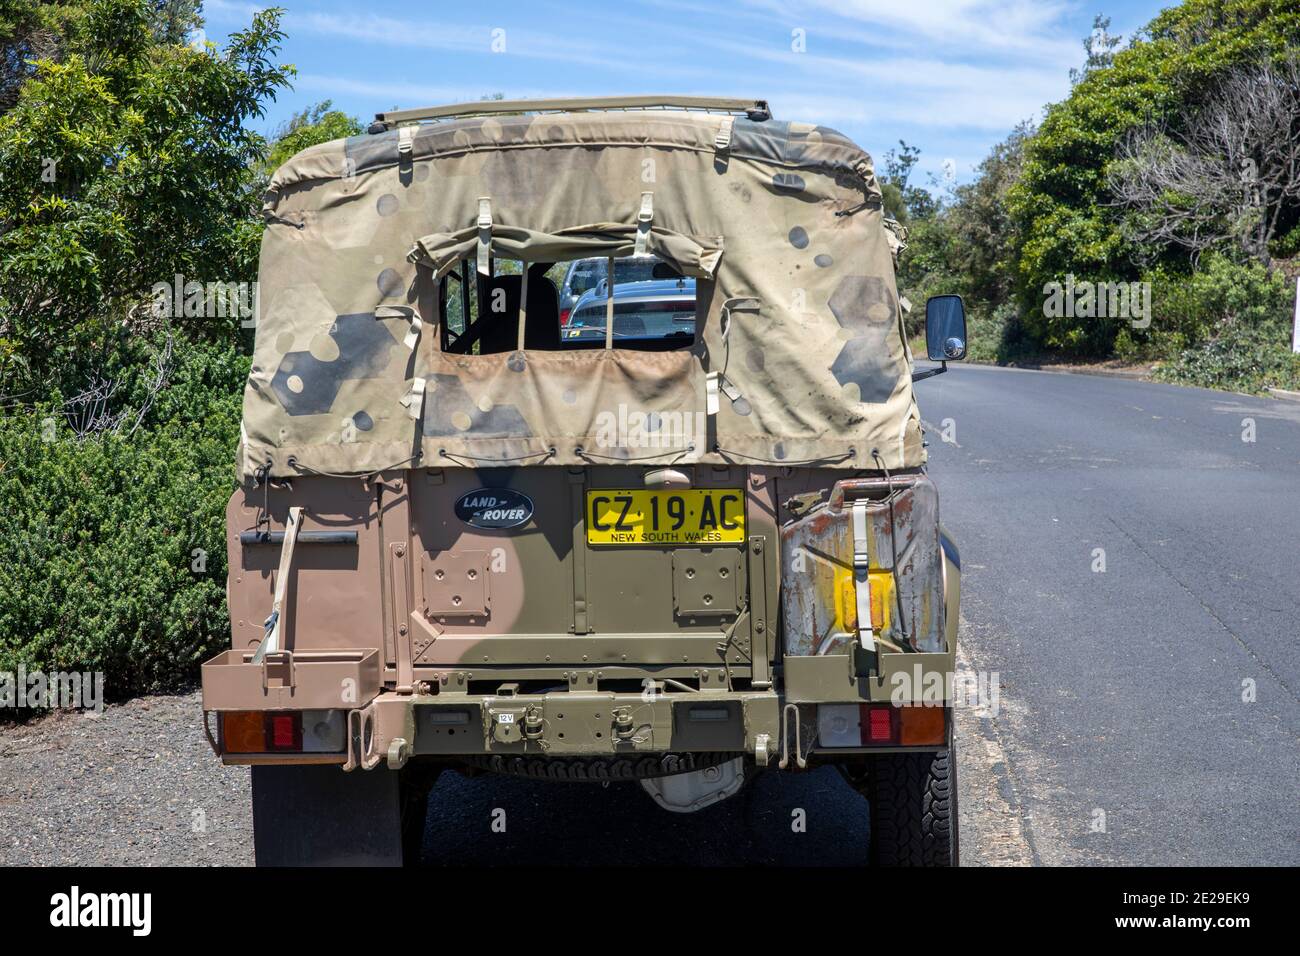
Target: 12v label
{"points": [[692, 517]]}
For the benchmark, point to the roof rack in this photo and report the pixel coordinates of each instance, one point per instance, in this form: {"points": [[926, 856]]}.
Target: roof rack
{"points": [[754, 109]]}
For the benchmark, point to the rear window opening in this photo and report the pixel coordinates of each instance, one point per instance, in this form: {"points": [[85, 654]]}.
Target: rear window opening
{"points": [[654, 306]]}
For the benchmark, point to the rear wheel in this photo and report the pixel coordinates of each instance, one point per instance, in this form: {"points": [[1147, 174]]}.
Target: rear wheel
{"points": [[413, 785], [913, 799], [321, 816]]}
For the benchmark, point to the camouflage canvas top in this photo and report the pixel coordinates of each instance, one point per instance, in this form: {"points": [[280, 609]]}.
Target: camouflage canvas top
{"points": [[798, 354]]}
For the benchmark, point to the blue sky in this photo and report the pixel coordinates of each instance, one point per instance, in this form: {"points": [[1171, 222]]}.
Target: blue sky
{"points": [[950, 76]]}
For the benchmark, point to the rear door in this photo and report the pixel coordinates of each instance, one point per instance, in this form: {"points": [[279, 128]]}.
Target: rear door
{"points": [[537, 572]]}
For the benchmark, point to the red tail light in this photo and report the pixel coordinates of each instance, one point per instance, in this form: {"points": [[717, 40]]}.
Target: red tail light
{"points": [[875, 725], [564, 317], [880, 724], [284, 731]]}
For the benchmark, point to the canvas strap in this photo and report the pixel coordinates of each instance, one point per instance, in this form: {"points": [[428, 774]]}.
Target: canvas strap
{"points": [[715, 383], [523, 304], [415, 323], [711, 403], [861, 577], [609, 302], [749, 303], [484, 235], [722, 141], [271, 641], [644, 219], [413, 400]]}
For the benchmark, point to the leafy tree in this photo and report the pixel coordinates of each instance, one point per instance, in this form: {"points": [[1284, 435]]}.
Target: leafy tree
{"points": [[903, 200], [316, 124], [125, 164], [966, 246], [1062, 207], [29, 32], [982, 223], [1099, 47]]}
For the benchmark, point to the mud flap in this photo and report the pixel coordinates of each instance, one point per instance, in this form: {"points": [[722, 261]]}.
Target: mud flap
{"points": [[321, 816]]}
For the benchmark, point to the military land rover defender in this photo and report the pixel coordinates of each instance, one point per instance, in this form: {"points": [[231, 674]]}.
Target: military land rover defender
{"points": [[687, 540]]}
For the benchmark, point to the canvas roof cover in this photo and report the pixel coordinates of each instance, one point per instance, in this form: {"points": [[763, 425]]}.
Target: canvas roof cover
{"points": [[799, 354]]}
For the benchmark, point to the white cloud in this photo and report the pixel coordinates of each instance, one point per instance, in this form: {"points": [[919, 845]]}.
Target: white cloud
{"points": [[954, 75], [406, 95], [978, 27], [440, 35]]}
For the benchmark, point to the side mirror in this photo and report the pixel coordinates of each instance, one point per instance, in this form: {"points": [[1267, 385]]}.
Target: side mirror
{"points": [[945, 328]]}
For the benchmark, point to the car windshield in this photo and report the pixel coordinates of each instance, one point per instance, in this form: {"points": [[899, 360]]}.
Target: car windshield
{"points": [[586, 274], [656, 309], [649, 313]]}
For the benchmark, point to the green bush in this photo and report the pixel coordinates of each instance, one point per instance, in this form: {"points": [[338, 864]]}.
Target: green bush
{"points": [[1189, 309], [1236, 323], [997, 335], [1241, 359], [99, 537], [125, 160]]}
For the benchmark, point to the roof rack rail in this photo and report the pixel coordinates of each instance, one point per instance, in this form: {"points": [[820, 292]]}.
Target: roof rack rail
{"points": [[754, 109]]}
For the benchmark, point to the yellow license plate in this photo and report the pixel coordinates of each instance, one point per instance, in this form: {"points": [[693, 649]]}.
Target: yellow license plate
{"points": [[700, 516]]}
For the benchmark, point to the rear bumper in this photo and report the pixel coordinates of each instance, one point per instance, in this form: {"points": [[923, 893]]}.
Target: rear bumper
{"points": [[396, 727], [583, 724], [777, 729]]}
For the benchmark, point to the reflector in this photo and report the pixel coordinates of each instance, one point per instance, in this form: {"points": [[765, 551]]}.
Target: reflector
{"points": [[284, 731], [921, 725], [323, 731], [880, 724], [243, 732], [839, 725]]}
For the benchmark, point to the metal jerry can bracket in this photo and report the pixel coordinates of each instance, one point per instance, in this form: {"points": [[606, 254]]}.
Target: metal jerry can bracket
{"points": [[456, 586], [705, 581]]}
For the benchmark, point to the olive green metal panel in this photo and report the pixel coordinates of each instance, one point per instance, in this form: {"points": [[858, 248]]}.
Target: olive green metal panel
{"points": [[912, 679], [573, 723], [826, 678]]}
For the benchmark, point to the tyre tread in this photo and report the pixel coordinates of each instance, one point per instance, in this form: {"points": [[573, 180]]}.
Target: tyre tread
{"points": [[912, 809]]}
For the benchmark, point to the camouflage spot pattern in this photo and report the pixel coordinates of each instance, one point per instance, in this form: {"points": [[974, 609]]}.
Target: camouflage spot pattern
{"points": [[817, 370], [363, 349], [863, 306]]}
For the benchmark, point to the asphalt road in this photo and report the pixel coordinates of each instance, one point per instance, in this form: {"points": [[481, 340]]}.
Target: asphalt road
{"points": [[1148, 713], [1164, 691]]}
